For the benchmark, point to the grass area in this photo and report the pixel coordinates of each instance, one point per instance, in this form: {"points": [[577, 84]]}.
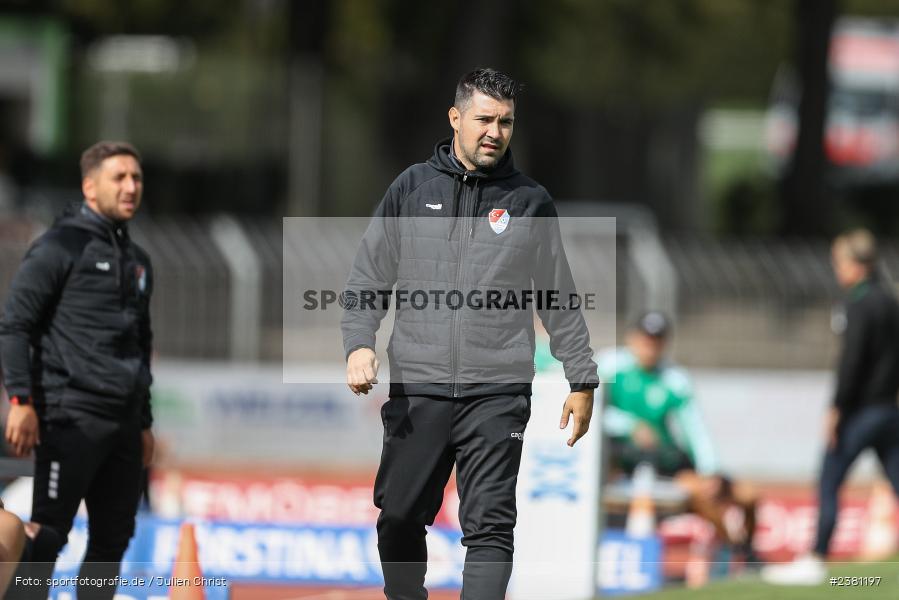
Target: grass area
{"points": [[754, 589]]}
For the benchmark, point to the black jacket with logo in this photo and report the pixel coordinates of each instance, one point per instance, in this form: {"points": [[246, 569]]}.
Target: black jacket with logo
{"points": [[441, 228], [75, 333]]}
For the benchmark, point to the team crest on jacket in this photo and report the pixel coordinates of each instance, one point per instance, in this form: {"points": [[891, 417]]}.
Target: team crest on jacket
{"points": [[499, 220], [140, 273]]}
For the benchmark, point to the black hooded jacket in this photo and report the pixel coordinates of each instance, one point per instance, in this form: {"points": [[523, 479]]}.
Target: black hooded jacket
{"points": [[441, 229], [75, 332], [868, 369]]}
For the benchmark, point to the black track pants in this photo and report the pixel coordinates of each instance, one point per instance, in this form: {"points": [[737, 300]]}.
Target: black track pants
{"points": [[423, 438], [99, 460]]}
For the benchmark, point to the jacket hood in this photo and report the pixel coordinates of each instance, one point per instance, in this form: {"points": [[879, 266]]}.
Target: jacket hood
{"points": [[442, 161], [77, 214]]}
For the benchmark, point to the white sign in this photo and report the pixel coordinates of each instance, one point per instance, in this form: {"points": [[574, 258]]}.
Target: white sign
{"points": [[558, 503]]}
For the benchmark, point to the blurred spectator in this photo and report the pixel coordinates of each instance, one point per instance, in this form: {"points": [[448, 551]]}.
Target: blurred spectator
{"points": [[864, 413], [650, 417], [12, 542], [80, 401]]}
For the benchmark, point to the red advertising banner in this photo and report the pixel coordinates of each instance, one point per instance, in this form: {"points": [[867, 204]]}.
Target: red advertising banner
{"points": [[867, 524], [246, 497]]}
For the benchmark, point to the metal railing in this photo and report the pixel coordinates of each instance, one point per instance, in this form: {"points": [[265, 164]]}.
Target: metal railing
{"points": [[737, 302]]}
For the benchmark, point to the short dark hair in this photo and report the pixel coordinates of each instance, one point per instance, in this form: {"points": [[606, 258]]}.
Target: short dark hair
{"points": [[96, 154], [491, 82]]}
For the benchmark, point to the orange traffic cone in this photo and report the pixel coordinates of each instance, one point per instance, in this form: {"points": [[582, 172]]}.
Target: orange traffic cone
{"points": [[187, 578]]}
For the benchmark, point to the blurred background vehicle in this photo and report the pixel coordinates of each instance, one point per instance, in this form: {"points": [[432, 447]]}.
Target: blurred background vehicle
{"points": [[862, 127]]}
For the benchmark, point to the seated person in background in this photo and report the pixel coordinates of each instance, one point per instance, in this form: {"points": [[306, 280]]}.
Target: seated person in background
{"points": [[12, 542], [646, 397], [14, 535]]}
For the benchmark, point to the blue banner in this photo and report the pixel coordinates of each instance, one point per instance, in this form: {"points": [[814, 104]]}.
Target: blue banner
{"points": [[628, 565], [261, 553]]}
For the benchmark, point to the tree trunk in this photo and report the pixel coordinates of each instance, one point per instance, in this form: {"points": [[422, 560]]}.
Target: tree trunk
{"points": [[305, 97], [808, 207]]}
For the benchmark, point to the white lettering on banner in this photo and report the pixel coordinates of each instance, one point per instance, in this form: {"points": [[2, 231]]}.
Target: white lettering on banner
{"points": [[445, 556], [619, 566], [785, 527], [851, 531], [554, 473], [278, 500], [769, 539], [791, 528], [300, 554], [164, 545], [288, 408], [251, 552]]}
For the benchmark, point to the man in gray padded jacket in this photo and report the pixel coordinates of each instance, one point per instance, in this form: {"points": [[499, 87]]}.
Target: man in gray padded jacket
{"points": [[472, 247]]}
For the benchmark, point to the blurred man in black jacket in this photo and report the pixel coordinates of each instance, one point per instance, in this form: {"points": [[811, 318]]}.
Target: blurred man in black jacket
{"points": [[75, 343], [864, 413]]}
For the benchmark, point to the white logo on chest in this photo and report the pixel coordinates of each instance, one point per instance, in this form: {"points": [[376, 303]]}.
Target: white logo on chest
{"points": [[435, 206], [103, 266]]}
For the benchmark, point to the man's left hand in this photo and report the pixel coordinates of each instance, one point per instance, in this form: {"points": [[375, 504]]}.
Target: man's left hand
{"points": [[148, 442], [580, 405]]}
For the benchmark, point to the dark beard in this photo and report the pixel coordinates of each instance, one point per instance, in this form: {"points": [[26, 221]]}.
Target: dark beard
{"points": [[485, 168]]}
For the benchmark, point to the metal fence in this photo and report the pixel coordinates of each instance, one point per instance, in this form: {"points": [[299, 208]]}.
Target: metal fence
{"points": [[737, 302]]}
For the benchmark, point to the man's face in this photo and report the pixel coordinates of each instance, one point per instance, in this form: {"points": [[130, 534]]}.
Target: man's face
{"points": [[483, 130], [647, 349], [114, 188], [847, 271]]}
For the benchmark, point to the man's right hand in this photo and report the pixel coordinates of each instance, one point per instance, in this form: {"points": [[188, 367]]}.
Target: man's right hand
{"points": [[22, 429], [362, 370], [645, 437]]}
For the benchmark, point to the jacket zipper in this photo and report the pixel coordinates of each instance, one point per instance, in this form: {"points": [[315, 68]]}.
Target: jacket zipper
{"points": [[120, 266], [454, 337]]}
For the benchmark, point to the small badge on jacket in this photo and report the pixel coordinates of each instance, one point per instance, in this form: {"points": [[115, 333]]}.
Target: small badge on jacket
{"points": [[140, 273], [499, 220]]}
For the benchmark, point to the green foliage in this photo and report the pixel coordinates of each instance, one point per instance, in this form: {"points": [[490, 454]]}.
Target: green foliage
{"points": [[173, 17], [625, 55], [360, 41], [871, 8]]}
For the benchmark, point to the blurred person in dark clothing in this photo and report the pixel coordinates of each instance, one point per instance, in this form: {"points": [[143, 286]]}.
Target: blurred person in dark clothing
{"points": [[864, 413], [75, 344]]}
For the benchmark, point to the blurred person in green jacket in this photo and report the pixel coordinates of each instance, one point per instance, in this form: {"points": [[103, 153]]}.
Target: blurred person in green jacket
{"points": [[650, 416]]}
